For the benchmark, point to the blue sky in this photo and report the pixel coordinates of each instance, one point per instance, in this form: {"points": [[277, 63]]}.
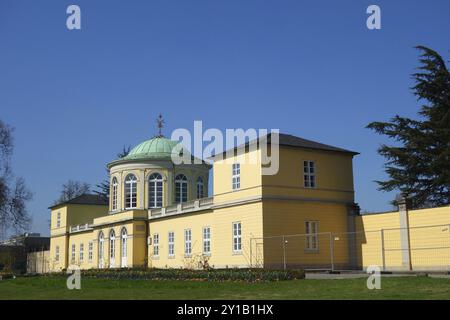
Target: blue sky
{"points": [[309, 68]]}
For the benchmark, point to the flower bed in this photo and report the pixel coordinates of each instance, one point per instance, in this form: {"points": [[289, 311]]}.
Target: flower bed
{"points": [[246, 275]]}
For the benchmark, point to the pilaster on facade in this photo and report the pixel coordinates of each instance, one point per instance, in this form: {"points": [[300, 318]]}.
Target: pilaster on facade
{"points": [[404, 205], [353, 211]]}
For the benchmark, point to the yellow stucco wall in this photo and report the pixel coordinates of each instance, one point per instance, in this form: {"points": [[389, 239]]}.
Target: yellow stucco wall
{"points": [[289, 218], [220, 221], [74, 214], [62, 243], [334, 175], [135, 245], [250, 177], [77, 239]]}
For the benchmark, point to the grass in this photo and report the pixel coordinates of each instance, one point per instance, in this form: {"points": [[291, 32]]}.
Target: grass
{"points": [[391, 288]]}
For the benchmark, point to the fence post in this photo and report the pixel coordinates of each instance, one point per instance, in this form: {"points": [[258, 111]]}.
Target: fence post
{"points": [[383, 257], [332, 250], [284, 253], [251, 254]]}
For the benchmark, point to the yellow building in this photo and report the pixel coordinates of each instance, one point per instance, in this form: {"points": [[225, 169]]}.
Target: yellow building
{"points": [[160, 215]]}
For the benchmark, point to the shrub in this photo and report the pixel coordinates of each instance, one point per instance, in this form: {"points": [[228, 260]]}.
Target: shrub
{"points": [[6, 275], [246, 275]]}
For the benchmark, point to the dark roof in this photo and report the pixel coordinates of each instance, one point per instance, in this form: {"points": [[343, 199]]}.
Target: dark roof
{"points": [[89, 199], [297, 142], [293, 141]]}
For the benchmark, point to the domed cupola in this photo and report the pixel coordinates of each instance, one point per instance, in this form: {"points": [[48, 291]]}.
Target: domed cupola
{"points": [[157, 148], [148, 177]]}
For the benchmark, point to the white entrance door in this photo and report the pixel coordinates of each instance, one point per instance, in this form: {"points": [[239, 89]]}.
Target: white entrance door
{"points": [[112, 249], [123, 253]]}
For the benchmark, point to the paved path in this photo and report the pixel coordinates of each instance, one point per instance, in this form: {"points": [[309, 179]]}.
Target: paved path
{"points": [[314, 275]]}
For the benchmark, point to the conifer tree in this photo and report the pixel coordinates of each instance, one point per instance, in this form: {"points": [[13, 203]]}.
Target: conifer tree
{"points": [[419, 162]]}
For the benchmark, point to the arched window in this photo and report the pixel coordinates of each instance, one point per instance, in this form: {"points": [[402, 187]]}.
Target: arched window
{"points": [[130, 191], [101, 246], [180, 188], [155, 190], [112, 249], [200, 188], [115, 185], [123, 242]]}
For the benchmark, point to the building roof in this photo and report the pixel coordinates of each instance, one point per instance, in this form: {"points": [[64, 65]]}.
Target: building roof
{"points": [[87, 199], [157, 148], [295, 142]]}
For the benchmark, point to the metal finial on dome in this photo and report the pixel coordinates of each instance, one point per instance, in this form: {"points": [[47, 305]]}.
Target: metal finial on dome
{"points": [[160, 125]]}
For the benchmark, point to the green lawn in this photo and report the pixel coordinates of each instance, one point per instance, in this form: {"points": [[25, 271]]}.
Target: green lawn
{"points": [[392, 288]]}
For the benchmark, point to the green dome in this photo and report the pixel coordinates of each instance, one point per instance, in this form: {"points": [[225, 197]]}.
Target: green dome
{"points": [[155, 148]]}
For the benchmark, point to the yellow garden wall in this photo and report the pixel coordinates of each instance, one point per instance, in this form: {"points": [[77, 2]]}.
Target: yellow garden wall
{"points": [[429, 239]]}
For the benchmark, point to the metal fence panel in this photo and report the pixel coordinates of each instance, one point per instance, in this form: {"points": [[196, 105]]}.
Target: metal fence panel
{"points": [[428, 248]]}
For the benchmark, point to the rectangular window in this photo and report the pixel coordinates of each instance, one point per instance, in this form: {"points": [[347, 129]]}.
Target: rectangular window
{"points": [[206, 240], [91, 251], [156, 245], [181, 191], [312, 228], [57, 253], [236, 176], [237, 237], [187, 242], [309, 174], [81, 252], [171, 244], [58, 219], [73, 253]]}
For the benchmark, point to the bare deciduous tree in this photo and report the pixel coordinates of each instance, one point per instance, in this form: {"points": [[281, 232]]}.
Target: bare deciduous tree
{"points": [[72, 189], [13, 192]]}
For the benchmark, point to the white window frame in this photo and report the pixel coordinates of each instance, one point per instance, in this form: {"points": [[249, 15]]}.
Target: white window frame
{"points": [[309, 174], [90, 251], [155, 200], [58, 219], [206, 232], [171, 246], [130, 191], [181, 188], [200, 188], [312, 238], [156, 245], [73, 256], [115, 186], [236, 176], [81, 253], [237, 237], [187, 242], [57, 253]]}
